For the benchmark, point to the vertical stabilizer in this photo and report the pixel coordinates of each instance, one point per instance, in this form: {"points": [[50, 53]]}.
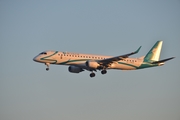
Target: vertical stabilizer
{"points": [[154, 53]]}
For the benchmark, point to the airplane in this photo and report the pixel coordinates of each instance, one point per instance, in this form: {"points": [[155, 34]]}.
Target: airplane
{"points": [[78, 62]]}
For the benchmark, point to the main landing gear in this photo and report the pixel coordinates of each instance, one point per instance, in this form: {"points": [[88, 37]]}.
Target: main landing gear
{"points": [[47, 64], [102, 72], [92, 75]]}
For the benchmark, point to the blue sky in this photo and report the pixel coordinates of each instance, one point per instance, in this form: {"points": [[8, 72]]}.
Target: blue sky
{"points": [[29, 92]]}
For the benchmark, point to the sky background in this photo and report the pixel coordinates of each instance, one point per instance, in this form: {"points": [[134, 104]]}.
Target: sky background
{"points": [[116, 27]]}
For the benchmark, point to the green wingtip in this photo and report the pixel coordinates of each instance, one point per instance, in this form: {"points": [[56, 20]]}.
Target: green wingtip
{"points": [[138, 49]]}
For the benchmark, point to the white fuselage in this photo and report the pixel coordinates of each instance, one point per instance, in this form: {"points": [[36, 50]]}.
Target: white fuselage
{"points": [[78, 59]]}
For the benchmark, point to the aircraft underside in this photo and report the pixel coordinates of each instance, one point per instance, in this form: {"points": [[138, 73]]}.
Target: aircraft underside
{"points": [[77, 68]]}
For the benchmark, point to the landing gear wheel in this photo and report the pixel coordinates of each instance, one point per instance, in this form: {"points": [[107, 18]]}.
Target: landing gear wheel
{"points": [[103, 72], [92, 75], [47, 69]]}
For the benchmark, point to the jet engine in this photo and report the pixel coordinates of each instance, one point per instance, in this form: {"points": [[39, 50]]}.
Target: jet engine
{"points": [[75, 69], [92, 64]]}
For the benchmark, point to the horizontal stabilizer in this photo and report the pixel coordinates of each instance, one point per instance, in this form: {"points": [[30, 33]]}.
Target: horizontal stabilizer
{"points": [[161, 61]]}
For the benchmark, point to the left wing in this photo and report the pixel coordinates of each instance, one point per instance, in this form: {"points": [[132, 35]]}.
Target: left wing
{"points": [[117, 58]]}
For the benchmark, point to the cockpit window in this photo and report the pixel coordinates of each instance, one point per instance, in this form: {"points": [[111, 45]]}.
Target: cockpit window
{"points": [[43, 53]]}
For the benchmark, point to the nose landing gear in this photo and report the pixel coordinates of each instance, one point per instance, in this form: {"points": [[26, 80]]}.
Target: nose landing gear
{"points": [[47, 64]]}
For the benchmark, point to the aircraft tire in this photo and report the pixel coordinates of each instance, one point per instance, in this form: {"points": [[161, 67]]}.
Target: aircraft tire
{"points": [[103, 72], [92, 75]]}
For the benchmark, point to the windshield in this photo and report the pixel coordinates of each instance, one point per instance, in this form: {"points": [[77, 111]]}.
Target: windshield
{"points": [[43, 53]]}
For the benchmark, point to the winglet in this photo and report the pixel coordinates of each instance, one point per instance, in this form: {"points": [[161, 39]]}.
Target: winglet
{"points": [[138, 49], [126, 55]]}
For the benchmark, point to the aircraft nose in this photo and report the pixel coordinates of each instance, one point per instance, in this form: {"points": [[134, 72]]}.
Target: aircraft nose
{"points": [[35, 59]]}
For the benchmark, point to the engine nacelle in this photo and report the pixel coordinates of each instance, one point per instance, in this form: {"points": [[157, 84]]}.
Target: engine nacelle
{"points": [[92, 64], [75, 69]]}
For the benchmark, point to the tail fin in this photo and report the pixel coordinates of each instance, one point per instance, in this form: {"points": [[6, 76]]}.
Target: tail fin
{"points": [[154, 53]]}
